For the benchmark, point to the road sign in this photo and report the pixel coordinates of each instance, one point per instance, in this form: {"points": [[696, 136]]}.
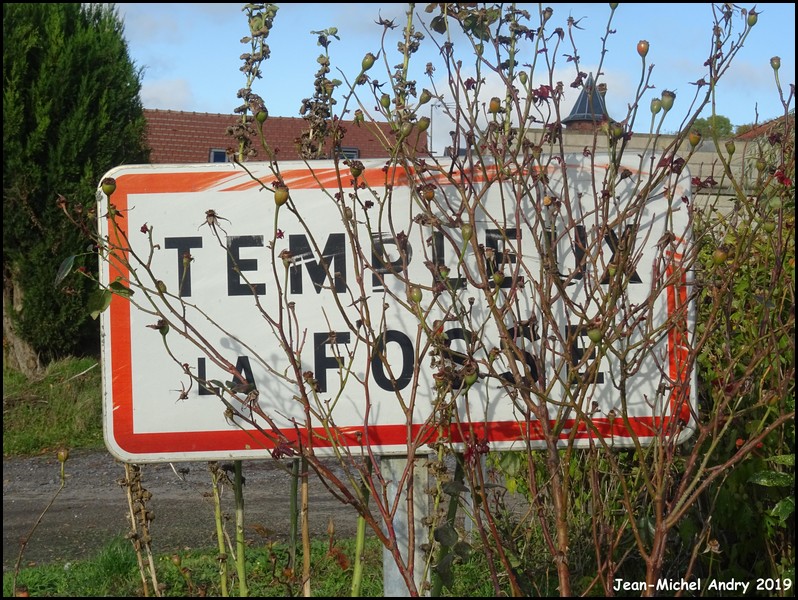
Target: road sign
{"points": [[203, 238]]}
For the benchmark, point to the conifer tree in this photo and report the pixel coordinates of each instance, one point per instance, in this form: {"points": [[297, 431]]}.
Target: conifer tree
{"points": [[71, 112]]}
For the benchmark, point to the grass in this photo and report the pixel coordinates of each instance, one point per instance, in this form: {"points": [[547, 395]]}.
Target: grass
{"points": [[61, 408], [114, 573]]}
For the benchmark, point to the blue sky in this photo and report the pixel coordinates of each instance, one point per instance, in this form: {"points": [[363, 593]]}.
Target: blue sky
{"points": [[190, 53]]}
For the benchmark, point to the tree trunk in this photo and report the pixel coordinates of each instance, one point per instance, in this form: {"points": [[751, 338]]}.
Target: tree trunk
{"points": [[17, 353]]}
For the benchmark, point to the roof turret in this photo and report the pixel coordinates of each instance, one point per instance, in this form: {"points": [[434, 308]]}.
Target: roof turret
{"points": [[589, 111]]}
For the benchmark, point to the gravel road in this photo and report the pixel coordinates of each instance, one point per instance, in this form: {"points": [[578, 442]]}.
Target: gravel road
{"points": [[92, 507]]}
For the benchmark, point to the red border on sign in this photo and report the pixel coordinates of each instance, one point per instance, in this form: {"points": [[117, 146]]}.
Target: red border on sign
{"points": [[678, 350], [238, 440]]}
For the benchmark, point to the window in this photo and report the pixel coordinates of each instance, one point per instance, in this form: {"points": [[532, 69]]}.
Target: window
{"points": [[350, 153], [217, 156]]}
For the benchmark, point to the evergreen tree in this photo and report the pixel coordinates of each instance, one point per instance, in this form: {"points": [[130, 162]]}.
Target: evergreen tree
{"points": [[71, 112]]}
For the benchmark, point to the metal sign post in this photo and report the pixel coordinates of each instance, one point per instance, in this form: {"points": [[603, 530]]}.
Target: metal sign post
{"points": [[393, 468]]}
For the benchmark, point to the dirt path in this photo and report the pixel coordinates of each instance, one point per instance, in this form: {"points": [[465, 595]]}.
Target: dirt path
{"points": [[92, 507]]}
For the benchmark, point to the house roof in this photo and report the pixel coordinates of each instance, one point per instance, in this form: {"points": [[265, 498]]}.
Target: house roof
{"points": [[764, 129], [188, 137]]}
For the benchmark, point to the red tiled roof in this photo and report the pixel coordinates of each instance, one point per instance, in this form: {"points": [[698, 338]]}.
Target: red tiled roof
{"points": [[188, 137], [763, 129]]}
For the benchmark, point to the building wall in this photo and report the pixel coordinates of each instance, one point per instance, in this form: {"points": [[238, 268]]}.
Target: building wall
{"points": [[703, 163]]}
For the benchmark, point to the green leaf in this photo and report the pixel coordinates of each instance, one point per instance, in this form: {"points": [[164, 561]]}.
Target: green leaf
{"points": [[512, 485], [237, 387], [462, 549], [784, 508], [64, 269], [454, 487], [645, 525], [444, 571], [783, 459], [121, 289], [481, 31], [510, 463], [772, 479], [98, 301], [446, 535], [438, 24]]}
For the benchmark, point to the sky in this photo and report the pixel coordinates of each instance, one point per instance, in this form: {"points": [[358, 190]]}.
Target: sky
{"points": [[190, 53]]}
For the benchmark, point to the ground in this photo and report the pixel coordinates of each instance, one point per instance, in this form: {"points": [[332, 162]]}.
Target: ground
{"points": [[92, 508]]}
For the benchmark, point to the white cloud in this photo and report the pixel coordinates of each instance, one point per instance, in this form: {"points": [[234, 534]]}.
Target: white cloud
{"points": [[168, 94]]}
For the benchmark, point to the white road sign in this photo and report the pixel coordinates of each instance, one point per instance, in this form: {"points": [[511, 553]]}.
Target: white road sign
{"points": [[154, 413]]}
